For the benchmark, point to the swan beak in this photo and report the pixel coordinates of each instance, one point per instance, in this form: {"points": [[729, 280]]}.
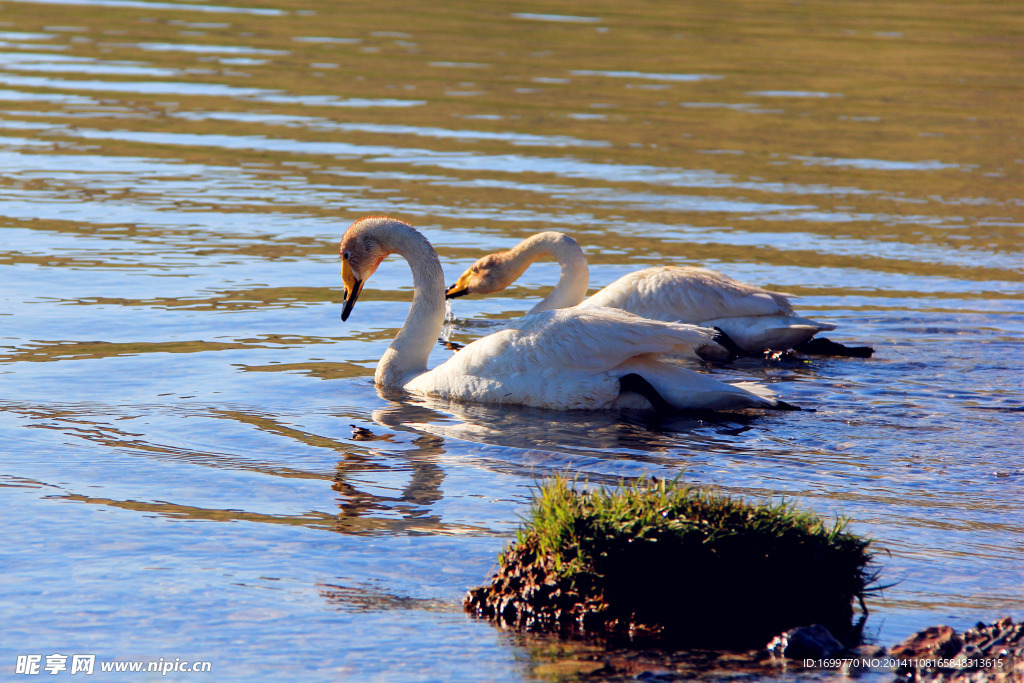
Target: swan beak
{"points": [[353, 286], [460, 288]]}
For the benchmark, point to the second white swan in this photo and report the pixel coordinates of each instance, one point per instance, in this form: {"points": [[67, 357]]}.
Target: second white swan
{"points": [[575, 358], [753, 318]]}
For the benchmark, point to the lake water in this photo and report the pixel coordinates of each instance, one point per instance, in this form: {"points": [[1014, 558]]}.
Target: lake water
{"points": [[180, 475]]}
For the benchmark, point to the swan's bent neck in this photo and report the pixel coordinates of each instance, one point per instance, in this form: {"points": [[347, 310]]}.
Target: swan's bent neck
{"points": [[575, 277], [407, 356]]}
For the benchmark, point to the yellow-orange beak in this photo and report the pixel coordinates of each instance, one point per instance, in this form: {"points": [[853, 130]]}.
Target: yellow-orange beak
{"points": [[353, 286], [461, 286]]}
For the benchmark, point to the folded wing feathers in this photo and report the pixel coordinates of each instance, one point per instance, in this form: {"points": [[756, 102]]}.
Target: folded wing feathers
{"points": [[600, 338], [689, 295], [587, 339]]}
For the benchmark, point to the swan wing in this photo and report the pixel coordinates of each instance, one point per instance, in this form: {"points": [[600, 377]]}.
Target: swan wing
{"points": [[566, 358], [595, 338], [688, 295]]}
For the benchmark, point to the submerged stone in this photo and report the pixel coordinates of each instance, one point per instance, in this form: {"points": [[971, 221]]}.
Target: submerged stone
{"points": [[806, 642]]}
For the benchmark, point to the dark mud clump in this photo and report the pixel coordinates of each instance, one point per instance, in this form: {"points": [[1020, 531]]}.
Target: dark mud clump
{"points": [[659, 560]]}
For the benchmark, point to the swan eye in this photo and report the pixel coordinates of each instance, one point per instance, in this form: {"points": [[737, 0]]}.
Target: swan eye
{"points": [[344, 256]]}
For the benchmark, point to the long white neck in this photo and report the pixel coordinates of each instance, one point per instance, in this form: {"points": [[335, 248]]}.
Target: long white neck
{"points": [[575, 278], [408, 353]]}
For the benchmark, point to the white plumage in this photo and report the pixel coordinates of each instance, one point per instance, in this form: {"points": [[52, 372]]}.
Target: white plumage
{"points": [[756, 319], [565, 359]]}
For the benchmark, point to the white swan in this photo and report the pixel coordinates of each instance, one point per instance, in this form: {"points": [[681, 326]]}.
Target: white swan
{"points": [[574, 358], [755, 319]]}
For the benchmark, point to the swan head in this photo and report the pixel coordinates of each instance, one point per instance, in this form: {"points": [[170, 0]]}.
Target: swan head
{"points": [[491, 273], [361, 253]]}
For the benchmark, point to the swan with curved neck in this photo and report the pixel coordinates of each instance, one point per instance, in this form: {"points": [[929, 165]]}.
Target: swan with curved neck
{"points": [[495, 272], [570, 358], [365, 244], [755, 319]]}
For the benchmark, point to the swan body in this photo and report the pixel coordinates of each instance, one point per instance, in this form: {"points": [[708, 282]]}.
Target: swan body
{"points": [[756, 319], [571, 358]]}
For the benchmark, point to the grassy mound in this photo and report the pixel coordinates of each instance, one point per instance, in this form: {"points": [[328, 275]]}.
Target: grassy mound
{"points": [[660, 559]]}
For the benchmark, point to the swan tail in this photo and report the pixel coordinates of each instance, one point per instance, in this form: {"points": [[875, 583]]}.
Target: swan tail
{"points": [[723, 339], [753, 335], [769, 395], [678, 388], [820, 346]]}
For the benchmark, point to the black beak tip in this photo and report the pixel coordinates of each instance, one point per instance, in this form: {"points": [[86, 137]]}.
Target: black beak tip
{"points": [[448, 293]]}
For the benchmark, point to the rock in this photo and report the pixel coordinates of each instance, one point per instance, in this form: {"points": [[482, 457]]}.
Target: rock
{"points": [[361, 433], [934, 642], [806, 642], [364, 434], [989, 653]]}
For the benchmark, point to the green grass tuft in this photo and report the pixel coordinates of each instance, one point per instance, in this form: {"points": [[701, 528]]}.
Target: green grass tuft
{"points": [[659, 557]]}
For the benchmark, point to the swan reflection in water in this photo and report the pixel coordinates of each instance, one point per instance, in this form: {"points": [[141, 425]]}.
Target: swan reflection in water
{"points": [[557, 440], [419, 438]]}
